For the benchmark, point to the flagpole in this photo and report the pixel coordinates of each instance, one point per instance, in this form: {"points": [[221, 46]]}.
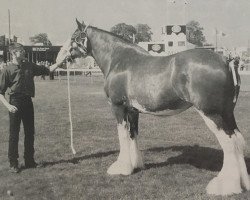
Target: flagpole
{"points": [[9, 25], [216, 40]]}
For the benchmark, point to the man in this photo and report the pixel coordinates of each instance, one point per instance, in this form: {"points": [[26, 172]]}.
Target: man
{"points": [[1, 64], [18, 77]]}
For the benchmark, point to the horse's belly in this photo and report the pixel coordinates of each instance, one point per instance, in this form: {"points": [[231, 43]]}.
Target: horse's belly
{"points": [[167, 110]]}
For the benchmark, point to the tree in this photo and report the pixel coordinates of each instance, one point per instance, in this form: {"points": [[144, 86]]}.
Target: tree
{"points": [[139, 33], [127, 32], [41, 38], [2, 40], [143, 33], [195, 33]]}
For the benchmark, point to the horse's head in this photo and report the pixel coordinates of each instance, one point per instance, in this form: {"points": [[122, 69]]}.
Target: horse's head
{"points": [[80, 46], [77, 46]]}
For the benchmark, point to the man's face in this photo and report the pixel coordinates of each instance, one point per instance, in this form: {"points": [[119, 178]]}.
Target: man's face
{"points": [[19, 54]]}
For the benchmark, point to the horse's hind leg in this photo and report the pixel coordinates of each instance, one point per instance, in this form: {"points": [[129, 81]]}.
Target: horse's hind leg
{"points": [[123, 165], [135, 154], [233, 176]]}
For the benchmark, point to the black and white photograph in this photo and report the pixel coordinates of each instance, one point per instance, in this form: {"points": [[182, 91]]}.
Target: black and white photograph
{"points": [[124, 99]]}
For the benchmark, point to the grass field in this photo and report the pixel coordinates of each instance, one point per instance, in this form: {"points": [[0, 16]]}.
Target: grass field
{"points": [[181, 155]]}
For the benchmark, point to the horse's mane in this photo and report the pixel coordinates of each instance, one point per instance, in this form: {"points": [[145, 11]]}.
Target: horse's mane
{"points": [[122, 40], [113, 34]]}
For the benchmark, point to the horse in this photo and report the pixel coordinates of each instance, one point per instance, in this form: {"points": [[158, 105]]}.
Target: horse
{"points": [[137, 82]]}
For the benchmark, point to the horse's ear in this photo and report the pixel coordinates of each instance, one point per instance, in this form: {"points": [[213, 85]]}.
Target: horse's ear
{"points": [[80, 26]]}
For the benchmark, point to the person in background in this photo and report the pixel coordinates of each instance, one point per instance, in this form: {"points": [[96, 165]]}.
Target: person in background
{"points": [[18, 76], [90, 65], [51, 74], [42, 76], [1, 66]]}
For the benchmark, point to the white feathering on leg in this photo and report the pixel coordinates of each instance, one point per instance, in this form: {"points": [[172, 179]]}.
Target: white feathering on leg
{"points": [[123, 164], [243, 169], [135, 154], [229, 178]]}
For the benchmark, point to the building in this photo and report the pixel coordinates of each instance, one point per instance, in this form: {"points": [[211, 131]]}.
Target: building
{"points": [[173, 41], [173, 35], [42, 53], [3, 53], [34, 53], [243, 52]]}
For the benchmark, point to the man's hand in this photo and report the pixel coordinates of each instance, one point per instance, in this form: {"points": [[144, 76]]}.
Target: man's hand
{"points": [[12, 109], [56, 65], [53, 67]]}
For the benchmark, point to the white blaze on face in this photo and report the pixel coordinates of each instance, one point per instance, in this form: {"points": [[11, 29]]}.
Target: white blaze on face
{"points": [[64, 52]]}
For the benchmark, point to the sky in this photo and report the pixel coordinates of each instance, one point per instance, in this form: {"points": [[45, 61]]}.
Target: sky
{"points": [[57, 17]]}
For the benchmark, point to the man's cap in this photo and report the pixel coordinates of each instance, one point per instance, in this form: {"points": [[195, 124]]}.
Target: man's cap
{"points": [[15, 46]]}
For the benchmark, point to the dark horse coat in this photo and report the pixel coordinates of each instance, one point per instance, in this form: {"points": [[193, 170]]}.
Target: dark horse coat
{"points": [[136, 82]]}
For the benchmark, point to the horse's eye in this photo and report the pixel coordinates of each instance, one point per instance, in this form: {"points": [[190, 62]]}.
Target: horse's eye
{"points": [[83, 35], [78, 40]]}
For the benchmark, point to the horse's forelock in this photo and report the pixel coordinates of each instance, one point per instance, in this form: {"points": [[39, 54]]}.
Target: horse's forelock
{"points": [[75, 34]]}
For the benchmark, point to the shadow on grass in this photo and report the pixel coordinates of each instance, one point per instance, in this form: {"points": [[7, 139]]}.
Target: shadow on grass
{"points": [[76, 160], [199, 157]]}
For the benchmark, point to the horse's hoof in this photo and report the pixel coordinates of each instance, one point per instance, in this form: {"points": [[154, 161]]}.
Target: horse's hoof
{"points": [[119, 167], [246, 184], [138, 164], [223, 186], [137, 161]]}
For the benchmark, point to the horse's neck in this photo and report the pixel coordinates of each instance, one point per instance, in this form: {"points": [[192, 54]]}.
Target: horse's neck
{"points": [[103, 46]]}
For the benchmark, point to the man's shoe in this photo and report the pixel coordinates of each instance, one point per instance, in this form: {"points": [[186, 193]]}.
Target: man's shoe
{"points": [[14, 169], [32, 164]]}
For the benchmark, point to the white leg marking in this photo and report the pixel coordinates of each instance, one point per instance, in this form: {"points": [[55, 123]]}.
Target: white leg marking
{"points": [[243, 169], [123, 164], [135, 154], [233, 172]]}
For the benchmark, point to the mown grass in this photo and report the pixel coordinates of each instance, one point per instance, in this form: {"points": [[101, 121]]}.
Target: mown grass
{"points": [[181, 155]]}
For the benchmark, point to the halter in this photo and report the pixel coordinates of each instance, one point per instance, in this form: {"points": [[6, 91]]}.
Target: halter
{"points": [[82, 40]]}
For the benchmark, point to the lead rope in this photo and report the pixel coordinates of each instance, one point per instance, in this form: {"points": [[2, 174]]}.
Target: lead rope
{"points": [[70, 116]]}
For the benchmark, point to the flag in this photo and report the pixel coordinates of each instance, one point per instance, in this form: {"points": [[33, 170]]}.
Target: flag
{"points": [[14, 38], [178, 1], [220, 33]]}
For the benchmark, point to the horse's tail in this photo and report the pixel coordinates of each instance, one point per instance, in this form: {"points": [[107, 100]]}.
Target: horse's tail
{"points": [[233, 67]]}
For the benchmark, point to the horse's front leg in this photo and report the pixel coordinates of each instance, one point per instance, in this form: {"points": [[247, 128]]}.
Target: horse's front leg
{"points": [[123, 165], [135, 154]]}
